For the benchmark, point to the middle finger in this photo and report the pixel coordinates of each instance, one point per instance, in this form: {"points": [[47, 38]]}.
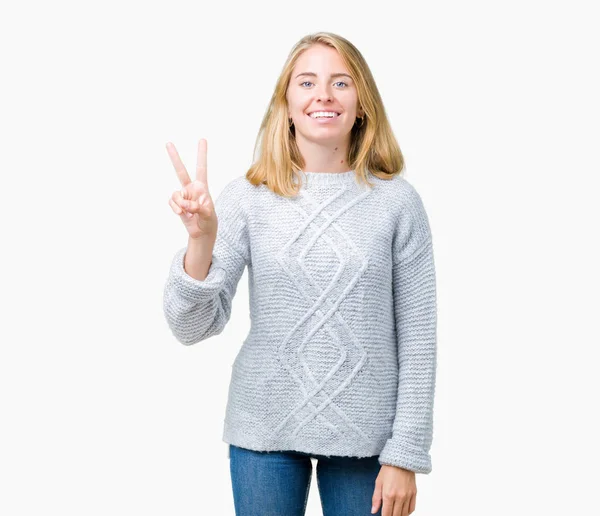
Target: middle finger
{"points": [[399, 507]]}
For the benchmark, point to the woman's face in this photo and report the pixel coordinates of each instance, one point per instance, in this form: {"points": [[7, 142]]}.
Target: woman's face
{"points": [[321, 82]]}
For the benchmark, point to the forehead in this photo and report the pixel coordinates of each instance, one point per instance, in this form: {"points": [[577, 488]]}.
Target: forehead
{"points": [[319, 59]]}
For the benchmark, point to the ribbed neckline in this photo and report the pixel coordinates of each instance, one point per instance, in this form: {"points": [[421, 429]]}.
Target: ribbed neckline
{"points": [[327, 178]]}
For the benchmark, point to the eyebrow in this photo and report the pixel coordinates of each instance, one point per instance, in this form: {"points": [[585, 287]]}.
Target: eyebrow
{"points": [[313, 74]]}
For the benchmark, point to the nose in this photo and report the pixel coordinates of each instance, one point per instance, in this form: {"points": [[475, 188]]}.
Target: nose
{"points": [[323, 95]]}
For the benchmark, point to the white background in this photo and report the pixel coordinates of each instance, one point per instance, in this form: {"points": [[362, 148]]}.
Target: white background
{"points": [[495, 106]]}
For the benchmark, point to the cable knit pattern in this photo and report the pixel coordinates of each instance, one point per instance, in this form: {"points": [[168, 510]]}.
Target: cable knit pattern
{"points": [[340, 358]]}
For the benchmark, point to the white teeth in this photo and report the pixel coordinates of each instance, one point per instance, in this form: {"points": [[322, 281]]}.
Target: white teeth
{"points": [[320, 114]]}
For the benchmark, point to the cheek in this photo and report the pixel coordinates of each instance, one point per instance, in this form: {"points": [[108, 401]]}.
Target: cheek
{"points": [[299, 109], [295, 106], [351, 104]]}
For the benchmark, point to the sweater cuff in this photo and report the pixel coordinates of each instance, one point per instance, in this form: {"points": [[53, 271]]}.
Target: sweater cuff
{"points": [[405, 456], [192, 289]]}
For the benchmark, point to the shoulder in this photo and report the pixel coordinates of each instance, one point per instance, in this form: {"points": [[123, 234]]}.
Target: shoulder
{"points": [[230, 203], [236, 188], [235, 193], [230, 207], [400, 194], [413, 230], [241, 195]]}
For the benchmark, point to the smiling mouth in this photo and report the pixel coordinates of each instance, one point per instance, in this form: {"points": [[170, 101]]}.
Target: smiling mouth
{"points": [[328, 117]]}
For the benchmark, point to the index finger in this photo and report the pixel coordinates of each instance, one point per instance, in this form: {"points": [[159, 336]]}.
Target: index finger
{"points": [[182, 173], [201, 162]]}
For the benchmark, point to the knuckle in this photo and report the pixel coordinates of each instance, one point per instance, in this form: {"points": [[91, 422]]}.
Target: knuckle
{"points": [[396, 495]]}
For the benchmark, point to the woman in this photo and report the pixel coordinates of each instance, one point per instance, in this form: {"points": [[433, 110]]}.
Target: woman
{"points": [[340, 360]]}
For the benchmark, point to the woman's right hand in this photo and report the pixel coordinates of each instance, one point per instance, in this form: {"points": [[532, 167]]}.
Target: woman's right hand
{"points": [[193, 202]]}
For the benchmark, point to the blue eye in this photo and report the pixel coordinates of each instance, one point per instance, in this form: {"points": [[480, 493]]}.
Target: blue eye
{"points": [[339, 82]]}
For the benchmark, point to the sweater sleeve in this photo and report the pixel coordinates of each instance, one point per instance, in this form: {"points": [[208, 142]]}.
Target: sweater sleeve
{"points": [[196, 310], [415, 311]]}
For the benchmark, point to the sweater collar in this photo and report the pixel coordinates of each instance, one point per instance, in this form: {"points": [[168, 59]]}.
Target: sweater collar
{"points": [[327, 178]]}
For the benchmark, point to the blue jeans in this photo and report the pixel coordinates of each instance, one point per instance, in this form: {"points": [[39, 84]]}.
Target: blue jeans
{"points": [[277, 483]]}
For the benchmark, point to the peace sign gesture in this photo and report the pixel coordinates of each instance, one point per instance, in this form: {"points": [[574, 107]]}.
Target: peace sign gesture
{"points": [[193, 202]]}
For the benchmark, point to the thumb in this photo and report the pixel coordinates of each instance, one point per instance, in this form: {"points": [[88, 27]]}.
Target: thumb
{"points": [[376, 500]]}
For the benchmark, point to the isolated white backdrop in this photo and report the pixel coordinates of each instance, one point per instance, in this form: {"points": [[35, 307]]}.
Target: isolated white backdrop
{"points": [[495, 106]]}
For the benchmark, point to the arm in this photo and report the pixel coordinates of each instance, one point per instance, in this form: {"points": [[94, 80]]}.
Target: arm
{"points": [[415, 311], [198, 309]]}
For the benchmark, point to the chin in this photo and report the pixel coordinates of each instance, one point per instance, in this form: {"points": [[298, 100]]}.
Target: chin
{"points": [[333, 139]]}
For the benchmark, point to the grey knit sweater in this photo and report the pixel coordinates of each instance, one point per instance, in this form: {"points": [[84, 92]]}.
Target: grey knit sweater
{"points": [[341, 354]]}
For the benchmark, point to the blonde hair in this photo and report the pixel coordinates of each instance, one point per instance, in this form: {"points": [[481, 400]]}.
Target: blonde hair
{"points": [[373, 146]]}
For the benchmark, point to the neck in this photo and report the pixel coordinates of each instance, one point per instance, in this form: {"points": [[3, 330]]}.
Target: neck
{"points": [[329, 157]]}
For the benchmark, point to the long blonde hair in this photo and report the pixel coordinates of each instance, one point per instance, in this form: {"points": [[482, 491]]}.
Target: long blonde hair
{"points": [[373, 146]]}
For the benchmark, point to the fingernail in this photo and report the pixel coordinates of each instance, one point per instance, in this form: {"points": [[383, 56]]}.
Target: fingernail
{"points": [[373, 510]]}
